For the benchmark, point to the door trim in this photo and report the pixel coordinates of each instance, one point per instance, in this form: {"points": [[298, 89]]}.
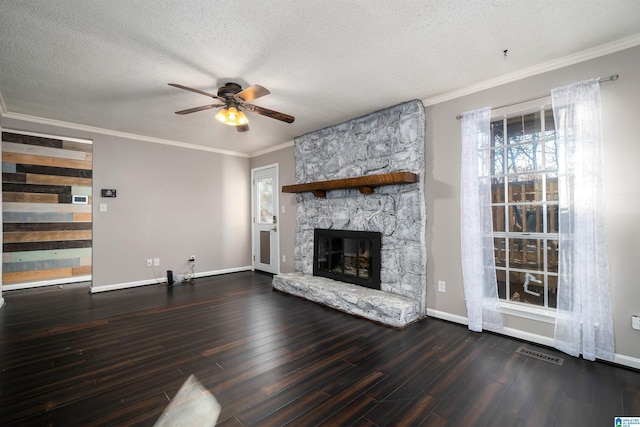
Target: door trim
{"points": [[276, 204]]}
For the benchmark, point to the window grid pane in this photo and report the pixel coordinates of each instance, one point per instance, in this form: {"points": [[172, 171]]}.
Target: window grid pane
{"points": [[524, 197]]}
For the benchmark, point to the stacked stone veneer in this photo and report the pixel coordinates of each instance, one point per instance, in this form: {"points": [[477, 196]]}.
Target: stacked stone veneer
{"points": [[391, 140]]}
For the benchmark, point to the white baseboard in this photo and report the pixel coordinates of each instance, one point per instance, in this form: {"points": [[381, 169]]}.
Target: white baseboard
{"points": [[223, 271], [631, 362], [63, 281], [162, 280], [620, 359], [126, 285], [447, 316]]}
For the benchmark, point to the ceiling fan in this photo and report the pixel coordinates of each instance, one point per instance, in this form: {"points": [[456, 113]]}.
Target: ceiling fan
{"points": [[234, 100]]}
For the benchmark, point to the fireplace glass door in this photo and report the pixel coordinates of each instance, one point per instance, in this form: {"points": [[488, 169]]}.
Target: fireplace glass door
{"points": [[349, 256]]}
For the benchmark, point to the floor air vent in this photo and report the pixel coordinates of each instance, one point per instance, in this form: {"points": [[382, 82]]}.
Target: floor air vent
{"points": [[540, 356]]}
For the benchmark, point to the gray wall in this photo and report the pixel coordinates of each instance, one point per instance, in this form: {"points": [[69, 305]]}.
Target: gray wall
{"points": [[287, 222], [171, 203], [622, 175]]}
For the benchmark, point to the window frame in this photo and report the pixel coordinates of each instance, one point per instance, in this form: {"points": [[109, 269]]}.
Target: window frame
{"points": [[539, 313]]}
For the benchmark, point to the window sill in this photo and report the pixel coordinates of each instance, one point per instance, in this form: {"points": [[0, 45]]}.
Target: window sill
{"points": [[546, 315]]}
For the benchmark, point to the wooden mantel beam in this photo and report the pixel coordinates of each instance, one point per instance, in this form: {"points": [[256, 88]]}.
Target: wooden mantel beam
{"points": [[365, 184]]}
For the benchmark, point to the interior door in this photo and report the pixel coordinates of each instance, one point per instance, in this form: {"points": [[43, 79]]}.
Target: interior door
{"points": [[265, 220]]}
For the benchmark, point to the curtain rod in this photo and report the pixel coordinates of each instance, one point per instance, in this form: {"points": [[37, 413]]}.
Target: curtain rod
{"points": [[611, 78]]}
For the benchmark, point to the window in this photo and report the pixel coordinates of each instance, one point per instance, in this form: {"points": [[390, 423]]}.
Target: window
{"points": [[524, 200]]}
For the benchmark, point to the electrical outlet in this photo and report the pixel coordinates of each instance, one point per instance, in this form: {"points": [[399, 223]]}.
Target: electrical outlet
{"points": [[149, 262], [284, 258], [442, 286], [192, 258], [156, 262]]}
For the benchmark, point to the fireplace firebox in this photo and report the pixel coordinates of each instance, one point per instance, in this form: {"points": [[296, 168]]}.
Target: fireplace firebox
{"points": [[348, 256]]}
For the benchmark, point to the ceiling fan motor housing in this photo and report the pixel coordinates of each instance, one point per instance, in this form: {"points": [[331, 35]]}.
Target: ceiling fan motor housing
{"points": [[229, 90]]}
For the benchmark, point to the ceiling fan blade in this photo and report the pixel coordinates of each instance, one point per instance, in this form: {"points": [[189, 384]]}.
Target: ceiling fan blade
{"points": [[201, 92], [270, 113], [242, 128], [201, 108], [253, 92]]}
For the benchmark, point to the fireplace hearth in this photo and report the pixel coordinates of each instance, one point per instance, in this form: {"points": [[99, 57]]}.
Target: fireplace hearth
{"points": [[348, 256]]}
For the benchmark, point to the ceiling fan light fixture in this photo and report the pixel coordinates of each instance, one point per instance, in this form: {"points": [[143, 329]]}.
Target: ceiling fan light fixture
{"points": [[232, 114], [222, 115], [232, 117]]}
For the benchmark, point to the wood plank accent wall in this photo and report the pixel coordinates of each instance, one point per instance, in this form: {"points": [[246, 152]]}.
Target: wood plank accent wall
{"points": [[45, 235]]}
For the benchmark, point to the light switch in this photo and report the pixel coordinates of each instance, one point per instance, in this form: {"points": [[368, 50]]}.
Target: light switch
{"points": [[103, 207]]}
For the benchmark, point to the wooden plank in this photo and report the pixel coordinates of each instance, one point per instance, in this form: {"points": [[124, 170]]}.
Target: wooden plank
{"points": [[82, 217], [86, 260], [366, 183], [29, 159], [36, 276], [14, 177], [36, 246], [82, 270], [32, 178], [51, 170], [8, 167], [46, 236], [31, 140], [47, 254], [12, 217], [64, 198], [29, 197], [46, 226], [81, 190], [36, 188], [77, 146], [47, 264], [44, 207], [10, 147]]}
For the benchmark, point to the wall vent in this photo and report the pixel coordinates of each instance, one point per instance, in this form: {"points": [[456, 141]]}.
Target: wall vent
{"points": [[540, 356]]}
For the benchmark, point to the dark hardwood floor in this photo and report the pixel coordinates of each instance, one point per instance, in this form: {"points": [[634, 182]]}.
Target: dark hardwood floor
{"points": [[117, 358]]}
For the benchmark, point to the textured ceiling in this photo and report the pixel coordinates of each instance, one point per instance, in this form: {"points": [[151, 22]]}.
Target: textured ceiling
{"points": [[106, 64]]}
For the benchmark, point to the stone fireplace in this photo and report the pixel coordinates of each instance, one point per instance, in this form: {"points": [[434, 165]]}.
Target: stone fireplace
{"points": [[387, 141]]}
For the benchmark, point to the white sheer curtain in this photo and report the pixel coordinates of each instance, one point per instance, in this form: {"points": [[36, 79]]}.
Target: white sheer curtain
{"points": [[584, 321], [478, 264]]}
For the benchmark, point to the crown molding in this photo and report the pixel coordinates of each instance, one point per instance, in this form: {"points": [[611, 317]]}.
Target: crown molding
{"points": [[585, 55], [102, 131], [272, 149]]}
